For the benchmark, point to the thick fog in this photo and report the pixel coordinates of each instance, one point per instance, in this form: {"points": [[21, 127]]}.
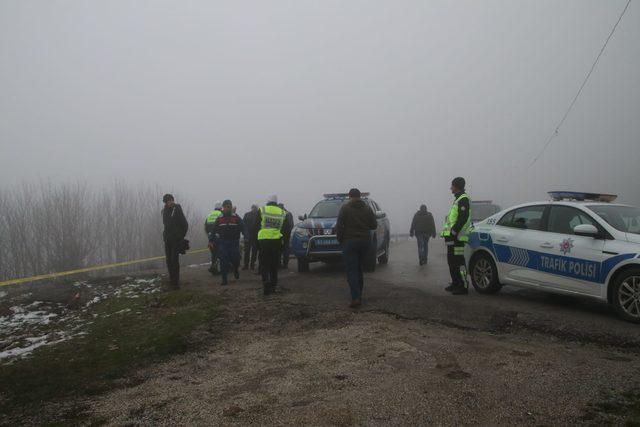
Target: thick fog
{"points": [[213, 100]]}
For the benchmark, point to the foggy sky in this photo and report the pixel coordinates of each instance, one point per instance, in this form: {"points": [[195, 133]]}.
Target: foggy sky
{"points": [[240, 99]]}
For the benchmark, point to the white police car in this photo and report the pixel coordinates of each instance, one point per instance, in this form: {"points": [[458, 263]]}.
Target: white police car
{"points": [[578, 243]]}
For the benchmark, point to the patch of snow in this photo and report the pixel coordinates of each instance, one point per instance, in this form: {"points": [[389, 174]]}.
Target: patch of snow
{"points": [[3, 294], [146, 281], [35, 343], [95, 300], [198, 265]]}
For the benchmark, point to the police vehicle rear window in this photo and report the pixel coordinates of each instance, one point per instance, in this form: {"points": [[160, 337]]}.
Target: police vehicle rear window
{"points": [[526, 218]]}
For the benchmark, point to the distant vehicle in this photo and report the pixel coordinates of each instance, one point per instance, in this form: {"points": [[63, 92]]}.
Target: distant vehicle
{"points": [[483, 209], [314, 238], [576, 244]]}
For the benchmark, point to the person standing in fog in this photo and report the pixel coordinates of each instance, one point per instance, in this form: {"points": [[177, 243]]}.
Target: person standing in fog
{"points": [[423, 228], [271, 220], [456, 235], [251, 238], [175, 229], [227, 230], [286, 236], [353, 229]]}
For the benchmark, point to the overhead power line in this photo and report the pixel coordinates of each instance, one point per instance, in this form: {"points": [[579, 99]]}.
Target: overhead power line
{"points": [[586, 79]]}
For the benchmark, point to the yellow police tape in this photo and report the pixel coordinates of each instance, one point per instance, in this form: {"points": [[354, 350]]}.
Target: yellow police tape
{"points": [[87, 269]]}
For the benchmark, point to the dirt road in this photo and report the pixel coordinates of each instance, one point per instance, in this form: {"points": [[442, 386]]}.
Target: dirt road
{"points": [[412, 355]]}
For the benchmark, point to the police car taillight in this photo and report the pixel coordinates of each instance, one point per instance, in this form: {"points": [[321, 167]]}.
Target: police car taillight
{"points": [[580, 196]]}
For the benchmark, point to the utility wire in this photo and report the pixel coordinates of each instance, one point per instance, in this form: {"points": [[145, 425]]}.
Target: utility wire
{"points": [[575, 98]]}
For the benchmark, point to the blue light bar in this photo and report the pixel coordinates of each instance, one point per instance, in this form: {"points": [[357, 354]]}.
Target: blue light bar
{"points": [[580, 196]]}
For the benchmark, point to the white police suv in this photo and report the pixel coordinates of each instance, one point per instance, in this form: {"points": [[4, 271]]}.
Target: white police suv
{"points": [[577, 244]]}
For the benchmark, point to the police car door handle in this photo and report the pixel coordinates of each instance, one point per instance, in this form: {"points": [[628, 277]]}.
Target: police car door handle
{"points": [[546, 245]]}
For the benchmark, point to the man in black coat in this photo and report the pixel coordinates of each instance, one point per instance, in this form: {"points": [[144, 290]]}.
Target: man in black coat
{"points": [[175, 229], [251, 238], [286, 236], [423, 228]]}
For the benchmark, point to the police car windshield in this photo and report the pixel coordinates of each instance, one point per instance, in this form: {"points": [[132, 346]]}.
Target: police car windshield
{"points": [[622, 218], [327, 208]]}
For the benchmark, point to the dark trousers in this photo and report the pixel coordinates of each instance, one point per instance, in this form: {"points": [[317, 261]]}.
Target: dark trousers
{"points": [[354, 253], [423, 246], [285, 250], [250, 252], [269, 261], [229, 255], [214, 259], [173, 261], [455, 259]]}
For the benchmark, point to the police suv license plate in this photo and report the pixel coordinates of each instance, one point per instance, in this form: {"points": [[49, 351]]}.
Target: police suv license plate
{"points": [[326, 242]]}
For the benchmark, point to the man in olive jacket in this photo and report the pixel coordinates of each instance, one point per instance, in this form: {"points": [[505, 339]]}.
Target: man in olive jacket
{"points": [[423, 228], [353, 230]]}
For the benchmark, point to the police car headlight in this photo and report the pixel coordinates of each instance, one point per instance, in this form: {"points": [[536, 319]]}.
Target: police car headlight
{"points": [[301, 232]]}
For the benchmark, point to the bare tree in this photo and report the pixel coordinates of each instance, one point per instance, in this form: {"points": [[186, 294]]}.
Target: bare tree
{"points": [[47, 228]]}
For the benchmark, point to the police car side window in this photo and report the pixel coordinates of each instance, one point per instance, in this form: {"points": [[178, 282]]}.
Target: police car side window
{"points": [[527, 218], [562, 219]]}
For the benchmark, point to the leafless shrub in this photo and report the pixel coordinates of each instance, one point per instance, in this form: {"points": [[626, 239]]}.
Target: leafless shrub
{"points": [[48, 227]]}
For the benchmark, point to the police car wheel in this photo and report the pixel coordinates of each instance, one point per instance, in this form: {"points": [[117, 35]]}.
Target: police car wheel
{"points": [[384, 258], [484, 274], [626, 295]]}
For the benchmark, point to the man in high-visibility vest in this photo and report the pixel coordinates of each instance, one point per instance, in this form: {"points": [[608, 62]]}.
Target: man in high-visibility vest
{"points": [[209, 222], [270, 221], [456, 235]]}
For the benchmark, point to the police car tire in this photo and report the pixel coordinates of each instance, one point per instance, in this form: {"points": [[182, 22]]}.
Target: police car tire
{"points": [[303, 265], [615, 300], [494, 286], [384, 258]]}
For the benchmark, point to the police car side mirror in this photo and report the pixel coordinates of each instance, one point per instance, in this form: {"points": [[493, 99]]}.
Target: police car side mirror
{"points": [[587, 230], [380, 214], [302, 217]]}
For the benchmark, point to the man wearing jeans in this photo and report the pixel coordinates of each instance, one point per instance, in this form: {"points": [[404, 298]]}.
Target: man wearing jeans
{"points": [[423, 228], [353, 228]]}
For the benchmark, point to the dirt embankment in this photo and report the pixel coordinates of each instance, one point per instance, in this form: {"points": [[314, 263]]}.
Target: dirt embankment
{"points": [[210, 355]]}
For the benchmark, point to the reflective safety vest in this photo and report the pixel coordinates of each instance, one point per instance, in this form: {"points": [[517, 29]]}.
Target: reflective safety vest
{"points": [[272, 220], [452, 217], [213, 215]]}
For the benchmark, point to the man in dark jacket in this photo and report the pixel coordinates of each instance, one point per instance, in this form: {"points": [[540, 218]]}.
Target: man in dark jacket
{"points": [[226, 231], [251, 238], [423, 228], [353, 229], [286, 236], [175, 229]]}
